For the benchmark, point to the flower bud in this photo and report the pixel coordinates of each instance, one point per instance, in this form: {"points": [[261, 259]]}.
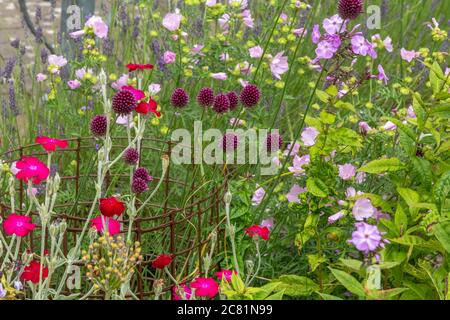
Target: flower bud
{"points": [[228, 197], [165, 162]]}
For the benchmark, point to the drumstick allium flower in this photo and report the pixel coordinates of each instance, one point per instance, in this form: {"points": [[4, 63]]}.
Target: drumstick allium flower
{"points": [[350, 9]]}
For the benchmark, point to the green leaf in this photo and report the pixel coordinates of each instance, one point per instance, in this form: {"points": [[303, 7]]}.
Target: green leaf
{"points": [[442, 111], [349, 282], [420, 112], [351, 263], [315, 260], [276, 296], [410, 196], [327, 118], [317, 187], [422, 171], [441, 189], [401, 219], [296, 286], [332, 91], [325, 296], [345, 137], [323, 96], [442, 233], [382, 166], [345, 105]]}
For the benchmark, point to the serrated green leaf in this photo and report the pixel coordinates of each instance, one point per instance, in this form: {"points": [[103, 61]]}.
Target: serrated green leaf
{"points": [[317, 187]]}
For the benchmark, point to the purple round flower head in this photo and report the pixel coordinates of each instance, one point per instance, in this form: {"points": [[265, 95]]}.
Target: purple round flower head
{"points": [[221, 103], [179, 98], [124, 102], [274, 142], [250, 95], [131, 156], [139, 185], [205, 97], [233, 99], [367, 238], [99, 125], [350, 9], [230, 142], [142, 173]]}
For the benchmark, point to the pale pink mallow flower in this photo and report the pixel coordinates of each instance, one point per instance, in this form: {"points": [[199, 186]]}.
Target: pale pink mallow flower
{"points": [[80, 73], [237, 122], [125, 121], [256, 52], [73, 84], [77, 34], [295, 149], [347, 171], [279, 65], [58, 61], [224, 57], [258, 196], [98, 25], [268, 223], [364, 127], [172, 21], [390, 126], [382, 75], [197, 48], [363, 209], [360, 177], [169, 57], [309, 136], [247, 18], [334, 25], [121, 82], [351, 193], [41, 77], [154, 88], [335, 217], [410, 112], [299, 32], [210, 3], [298, 163], [224, 21], [219, 76], [292, 196], [408, 55]]}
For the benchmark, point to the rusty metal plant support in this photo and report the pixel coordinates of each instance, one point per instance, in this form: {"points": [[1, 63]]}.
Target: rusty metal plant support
{"points": [[169, 218]]}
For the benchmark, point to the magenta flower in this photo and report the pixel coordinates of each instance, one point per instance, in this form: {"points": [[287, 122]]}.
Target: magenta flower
{"points": [[73, 84], [21, 226], [256, 52], [100, 28], [409, 55], [169, 57], [279, 65], [334, 25], [183, 290], [31, 168], [113, 225], [225, 274], [172, 21], [258, 196], [309, 136], [347, 171], [50, 144], [292, 196], [367, 238], [298, 163], [335, 217], [138, 94], [205, 287], [363, 209]]}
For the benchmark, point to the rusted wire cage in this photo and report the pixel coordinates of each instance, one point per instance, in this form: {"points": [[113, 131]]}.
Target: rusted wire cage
{"points": [[178, 220]]}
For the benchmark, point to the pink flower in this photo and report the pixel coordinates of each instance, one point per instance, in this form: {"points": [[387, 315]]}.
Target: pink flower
{"points": [[295, 149], [258, 196], [113, 225], [256, 52], [382, 75], [279, 65], [197, 48], [77, 34], [73, 84], [364, 127], [80, 73], [389, 126], [292, 196], [57, 61], [335, 217], [409, 55], [125, 120], [360, 177], [298, 163], [268, 223], [100, 28], [50, 144], [334, 25], [219, 76], [258, 231], [363, 209], [316, 34], [247, 18], [309, 136], [210, 3], [386, 43], [182, 289], [300, 31], [326, 49], [224, 57], [172, 21], [154, 88], [225, 274], [205, 287], [31, 168], [169, 57], [224, 21], [138, 94], [410, 112], [347, 171], [360, 45], [121, 82], [41, 77], [367, 238], [21, 226]]}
